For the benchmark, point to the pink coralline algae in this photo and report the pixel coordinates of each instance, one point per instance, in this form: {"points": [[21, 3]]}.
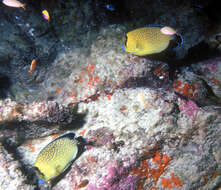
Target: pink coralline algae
{"points": [[101, 136], [211, 65], [117, 178], [189, 107]]}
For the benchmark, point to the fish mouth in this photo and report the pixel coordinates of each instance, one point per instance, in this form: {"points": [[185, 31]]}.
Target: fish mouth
{"points": [[41, 181], [123, 47]]}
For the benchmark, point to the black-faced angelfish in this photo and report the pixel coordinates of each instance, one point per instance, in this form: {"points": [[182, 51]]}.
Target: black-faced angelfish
{"points": [[148, 40], [14, 3], [56, 157]]}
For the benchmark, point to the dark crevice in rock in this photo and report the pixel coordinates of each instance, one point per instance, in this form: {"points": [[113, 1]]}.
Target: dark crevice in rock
{"points": [[27, 170], [5, 84]]}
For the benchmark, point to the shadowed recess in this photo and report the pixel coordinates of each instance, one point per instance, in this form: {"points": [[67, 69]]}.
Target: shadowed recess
{"points": [[4, 85]]}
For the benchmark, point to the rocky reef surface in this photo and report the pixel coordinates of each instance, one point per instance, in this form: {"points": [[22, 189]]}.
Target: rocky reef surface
{"points": [[150, 122]]}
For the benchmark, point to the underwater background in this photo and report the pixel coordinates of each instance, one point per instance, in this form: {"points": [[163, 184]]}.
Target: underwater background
{"points": [[110, 95]]}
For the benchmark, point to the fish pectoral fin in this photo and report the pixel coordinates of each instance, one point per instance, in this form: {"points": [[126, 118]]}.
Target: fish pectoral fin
{"points": [[138, 48], [58, 169]]}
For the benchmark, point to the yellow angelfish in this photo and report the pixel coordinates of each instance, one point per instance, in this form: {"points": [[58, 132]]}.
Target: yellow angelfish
{"points": [[56, 156], [148, 40]]}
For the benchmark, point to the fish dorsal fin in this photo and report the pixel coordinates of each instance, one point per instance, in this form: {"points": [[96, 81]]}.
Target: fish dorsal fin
{"points": [[155, 25], [70, 135]]}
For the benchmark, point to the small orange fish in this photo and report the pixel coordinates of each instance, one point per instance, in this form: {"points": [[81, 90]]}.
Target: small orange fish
{"points": [[33, 65], [58, 90], [14, 3], [82, 132], [83, 183]]}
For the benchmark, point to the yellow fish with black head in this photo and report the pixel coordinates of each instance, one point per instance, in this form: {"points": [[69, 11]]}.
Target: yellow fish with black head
{"points": [[147, 40], [56, 157]]}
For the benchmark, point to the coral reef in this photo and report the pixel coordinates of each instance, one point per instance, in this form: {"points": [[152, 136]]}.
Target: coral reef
{"points": [[34, 120], [11, 176], [132, 149], [210, 70]]}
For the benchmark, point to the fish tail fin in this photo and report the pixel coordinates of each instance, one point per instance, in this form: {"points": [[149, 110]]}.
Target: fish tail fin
{"points": [[181, 37], [179, 44]]}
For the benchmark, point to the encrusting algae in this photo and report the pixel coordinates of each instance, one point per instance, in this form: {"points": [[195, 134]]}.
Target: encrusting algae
{"points": [[145, 172]]}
